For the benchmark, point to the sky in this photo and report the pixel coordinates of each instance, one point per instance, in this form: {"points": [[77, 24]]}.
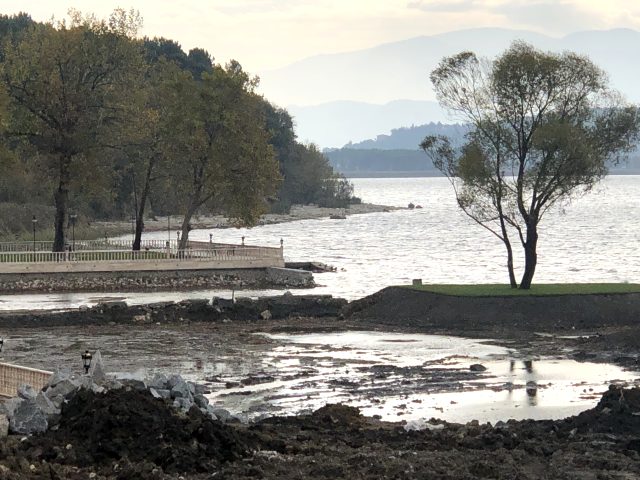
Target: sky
{"points": [[267, 34]]}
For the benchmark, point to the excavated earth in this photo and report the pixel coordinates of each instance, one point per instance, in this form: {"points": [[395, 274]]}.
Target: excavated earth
{"points": [[127, 434]]}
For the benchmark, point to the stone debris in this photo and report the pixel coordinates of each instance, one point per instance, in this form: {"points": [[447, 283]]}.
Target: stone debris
{"points": [[34, 411]]}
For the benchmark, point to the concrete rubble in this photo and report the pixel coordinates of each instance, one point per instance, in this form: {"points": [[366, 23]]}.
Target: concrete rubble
{"points": [[34, 411]]}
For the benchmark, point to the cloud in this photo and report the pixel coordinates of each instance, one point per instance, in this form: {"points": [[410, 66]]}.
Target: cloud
{"points": [[445, 5], [553, 16]]}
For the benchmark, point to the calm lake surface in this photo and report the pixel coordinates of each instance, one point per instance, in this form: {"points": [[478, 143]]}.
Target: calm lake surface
{"points": [[592, 239]]}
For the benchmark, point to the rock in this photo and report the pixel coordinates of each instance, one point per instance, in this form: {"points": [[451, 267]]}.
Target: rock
{"points": [[220, 413], [9, 406], [200, 389], [27, 392], [181, 390], [164, 393], [174, 380], [4, 426], [159, 381], [265, 315], [28, 419], [96, 370], [58, 376], [154, 393], [46, 405], [62, 388], [476, 367], [201, 401], [183, 404]]}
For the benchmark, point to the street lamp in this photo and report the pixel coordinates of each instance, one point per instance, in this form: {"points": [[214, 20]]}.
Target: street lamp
{"points": [[86, 361], [34, 220], [73, 217]]}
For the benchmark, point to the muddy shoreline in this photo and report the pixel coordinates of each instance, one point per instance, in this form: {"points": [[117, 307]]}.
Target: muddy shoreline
{"points": [[334, 441]]}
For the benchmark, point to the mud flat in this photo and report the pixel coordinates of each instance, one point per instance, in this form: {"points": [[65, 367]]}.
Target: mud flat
{"points": [[109, 435]]}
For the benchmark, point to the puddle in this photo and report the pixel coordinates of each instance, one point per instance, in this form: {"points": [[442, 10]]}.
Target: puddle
{"points": [[413, 377]]}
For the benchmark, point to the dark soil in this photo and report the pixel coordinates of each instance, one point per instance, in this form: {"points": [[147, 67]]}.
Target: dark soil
{"points": [[128, 434]]}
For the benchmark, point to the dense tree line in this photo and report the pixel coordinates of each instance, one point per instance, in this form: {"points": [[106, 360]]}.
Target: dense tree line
{"points": [[100, 123]]}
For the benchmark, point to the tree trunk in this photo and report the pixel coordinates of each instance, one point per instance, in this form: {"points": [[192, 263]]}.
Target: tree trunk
{"points": [[137, 240], [512, 275], [61, 200], [186, 224], [530, 256], [507, 245]]}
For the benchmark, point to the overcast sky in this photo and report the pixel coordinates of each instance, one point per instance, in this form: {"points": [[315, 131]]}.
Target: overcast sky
{"points": [[266, 34]]}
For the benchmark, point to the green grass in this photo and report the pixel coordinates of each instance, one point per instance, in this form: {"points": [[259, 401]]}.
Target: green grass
{"points": [[501, 290]]}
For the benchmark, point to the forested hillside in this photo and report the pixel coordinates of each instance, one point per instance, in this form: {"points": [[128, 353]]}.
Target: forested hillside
{"points": [[100, 124], [398, 153]]}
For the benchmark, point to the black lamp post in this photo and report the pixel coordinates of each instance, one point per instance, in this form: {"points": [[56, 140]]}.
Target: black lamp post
{"points": [[34, 220], [73, 217], [86, 361]]}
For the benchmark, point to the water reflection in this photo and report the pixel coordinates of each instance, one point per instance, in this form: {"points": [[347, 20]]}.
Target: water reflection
{"points": [[404, 377]]}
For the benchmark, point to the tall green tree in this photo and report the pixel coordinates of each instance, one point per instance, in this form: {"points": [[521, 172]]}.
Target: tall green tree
{"points": [[72, 86], [221, 157], [545, 127]]}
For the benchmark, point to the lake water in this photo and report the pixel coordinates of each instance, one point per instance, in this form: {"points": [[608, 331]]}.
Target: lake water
{"points": [[412, 377], [592, 239]]}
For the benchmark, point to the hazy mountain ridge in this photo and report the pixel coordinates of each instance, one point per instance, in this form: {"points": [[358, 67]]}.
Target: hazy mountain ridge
{"points": [[409, 138], [354, 94]]}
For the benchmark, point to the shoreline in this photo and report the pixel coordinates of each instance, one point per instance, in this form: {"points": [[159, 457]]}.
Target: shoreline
{"points": [[297, 213]]}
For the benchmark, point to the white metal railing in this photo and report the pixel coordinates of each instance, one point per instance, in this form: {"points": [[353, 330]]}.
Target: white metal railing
{"points": [[232, 252], [110, 244], [12, 376]]}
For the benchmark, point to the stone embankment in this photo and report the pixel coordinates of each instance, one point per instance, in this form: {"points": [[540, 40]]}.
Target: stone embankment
{"points": [[215, 310], [156, 280]]}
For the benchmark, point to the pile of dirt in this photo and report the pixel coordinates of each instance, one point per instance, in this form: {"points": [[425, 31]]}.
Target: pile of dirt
{"points": [[406, 307], [132, 426], [129, 434]]}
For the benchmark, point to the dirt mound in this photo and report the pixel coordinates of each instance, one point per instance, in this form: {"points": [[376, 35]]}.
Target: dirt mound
{"points": [[134, 426], [399, 306]]}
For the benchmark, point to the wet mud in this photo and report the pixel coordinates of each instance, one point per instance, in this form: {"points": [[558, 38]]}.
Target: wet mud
{"points": [[123, 436]]}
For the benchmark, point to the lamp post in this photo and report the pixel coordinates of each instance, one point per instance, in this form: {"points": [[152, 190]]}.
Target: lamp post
{"points": [[86, 360], [73, 217], [34, 220]]}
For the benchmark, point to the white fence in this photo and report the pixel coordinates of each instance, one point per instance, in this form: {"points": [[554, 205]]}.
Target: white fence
{"points": [[12, 376]]}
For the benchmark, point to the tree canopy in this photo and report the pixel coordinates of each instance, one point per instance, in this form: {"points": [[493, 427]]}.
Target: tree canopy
{"points": [[112, 126], [545, 128]]}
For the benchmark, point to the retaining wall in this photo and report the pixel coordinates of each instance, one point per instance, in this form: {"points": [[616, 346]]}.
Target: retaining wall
{"points": [[134, 280]]}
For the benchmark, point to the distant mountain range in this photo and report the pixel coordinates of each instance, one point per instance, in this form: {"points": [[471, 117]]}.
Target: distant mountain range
{"points": [[353, 96]]}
